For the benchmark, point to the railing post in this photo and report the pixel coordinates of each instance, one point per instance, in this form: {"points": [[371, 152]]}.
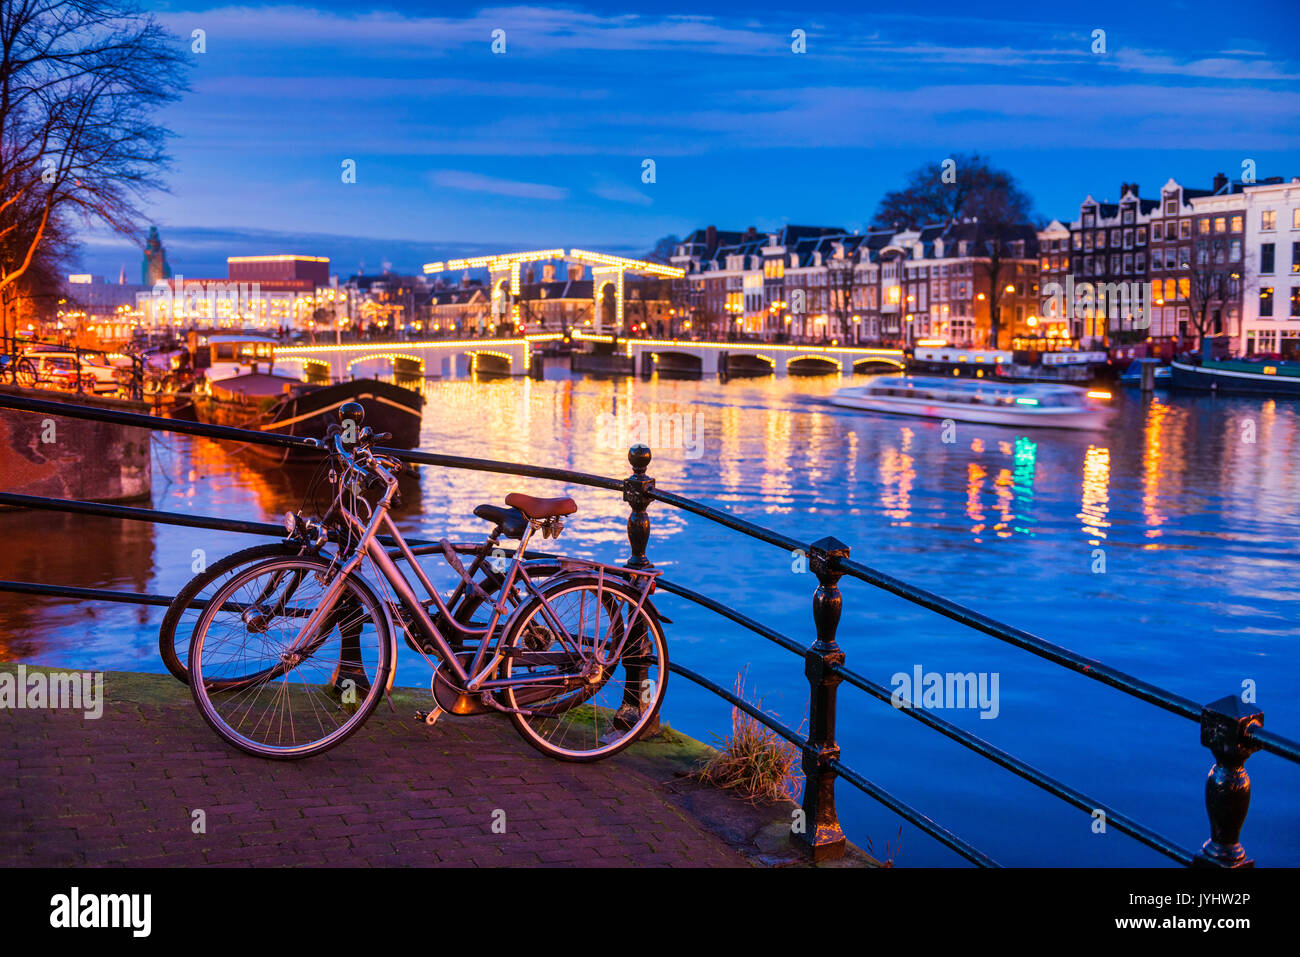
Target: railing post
{"points": [[636, 492], [1225, 729], [821, 836]]}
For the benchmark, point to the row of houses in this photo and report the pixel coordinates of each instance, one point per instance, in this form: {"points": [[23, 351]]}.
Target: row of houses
{"points": [[817, 283], [1187, 263]]}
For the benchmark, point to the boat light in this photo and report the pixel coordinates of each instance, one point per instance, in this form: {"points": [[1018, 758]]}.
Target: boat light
{"points": [[1026, 401], [1098, 394]]}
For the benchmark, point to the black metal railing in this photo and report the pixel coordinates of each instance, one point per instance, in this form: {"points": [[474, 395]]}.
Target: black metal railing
{"points": [[1231, 729]]}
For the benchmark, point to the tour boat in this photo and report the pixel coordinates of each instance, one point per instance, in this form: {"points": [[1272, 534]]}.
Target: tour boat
{"points": [[1272, 377], [980, 400], [240, 388]]}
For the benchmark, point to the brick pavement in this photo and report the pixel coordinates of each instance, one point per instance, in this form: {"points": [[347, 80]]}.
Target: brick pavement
{"points": [[120, 790]]}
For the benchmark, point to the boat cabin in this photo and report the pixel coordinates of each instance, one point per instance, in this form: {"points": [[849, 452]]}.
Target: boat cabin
{"points": [[226, 356]]}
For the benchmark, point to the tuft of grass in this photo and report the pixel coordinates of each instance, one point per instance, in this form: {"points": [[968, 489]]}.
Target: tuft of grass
{"points": [[891, 851], [754, 760]]}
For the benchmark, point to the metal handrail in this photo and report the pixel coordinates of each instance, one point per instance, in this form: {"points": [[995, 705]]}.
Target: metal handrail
{"points": [[1231, 732]]}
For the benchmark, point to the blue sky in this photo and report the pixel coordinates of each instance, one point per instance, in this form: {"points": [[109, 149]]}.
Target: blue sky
{"points": [[460, 150]]}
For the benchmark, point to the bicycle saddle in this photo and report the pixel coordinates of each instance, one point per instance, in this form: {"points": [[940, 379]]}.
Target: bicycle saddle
{"points": [[511, 521], [541, 507]]}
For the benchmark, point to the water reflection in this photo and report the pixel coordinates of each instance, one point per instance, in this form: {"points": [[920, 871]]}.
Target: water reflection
{"points": [[1096, 494], [1004, 520]]}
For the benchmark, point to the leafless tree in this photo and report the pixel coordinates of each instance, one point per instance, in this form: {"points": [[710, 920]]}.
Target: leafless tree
{"points": [[943, 192], [841, 283], [80, 82], [1212, 284], [987, 207]]}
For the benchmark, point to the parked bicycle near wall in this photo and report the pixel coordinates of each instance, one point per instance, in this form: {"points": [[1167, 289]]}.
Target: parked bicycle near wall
{"points": [[292, 654]]}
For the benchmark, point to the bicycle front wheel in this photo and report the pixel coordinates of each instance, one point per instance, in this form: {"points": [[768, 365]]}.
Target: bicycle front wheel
{"points": [[588, 669], [273, 688]]}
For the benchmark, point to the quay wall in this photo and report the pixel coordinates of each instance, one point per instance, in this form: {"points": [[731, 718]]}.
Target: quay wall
{"points": [[73, 458]]}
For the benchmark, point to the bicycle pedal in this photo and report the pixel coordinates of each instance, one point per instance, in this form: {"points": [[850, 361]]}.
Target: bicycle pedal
{"points": [[429, 717]]}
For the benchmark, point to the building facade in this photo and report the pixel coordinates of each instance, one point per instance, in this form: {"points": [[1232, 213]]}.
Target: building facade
{"points": [[824, 284], [1271, 289]]}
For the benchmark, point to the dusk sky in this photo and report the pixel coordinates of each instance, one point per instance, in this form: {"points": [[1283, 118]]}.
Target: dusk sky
{"points": [[459, 150]]}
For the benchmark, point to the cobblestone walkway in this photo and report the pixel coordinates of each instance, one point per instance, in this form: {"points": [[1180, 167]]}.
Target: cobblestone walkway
{"points": [[123, 789]]}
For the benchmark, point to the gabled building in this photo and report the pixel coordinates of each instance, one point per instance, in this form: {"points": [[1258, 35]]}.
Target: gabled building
{"points": [[825, 284]]}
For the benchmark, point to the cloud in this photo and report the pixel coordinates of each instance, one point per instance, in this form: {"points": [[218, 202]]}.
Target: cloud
{"points": [[622, 194], [478, 183]]}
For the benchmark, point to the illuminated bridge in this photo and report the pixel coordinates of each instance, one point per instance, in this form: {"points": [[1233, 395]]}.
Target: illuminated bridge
{"points": [[710, 358], [446, 358], [607, 273]]}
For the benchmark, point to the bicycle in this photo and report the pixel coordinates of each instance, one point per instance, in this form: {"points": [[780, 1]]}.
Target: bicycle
{"points": [[292, 654], [304, 537]]}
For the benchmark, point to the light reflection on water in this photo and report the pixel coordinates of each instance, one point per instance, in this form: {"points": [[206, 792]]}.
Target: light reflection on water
{"points": [[1165, 546]]}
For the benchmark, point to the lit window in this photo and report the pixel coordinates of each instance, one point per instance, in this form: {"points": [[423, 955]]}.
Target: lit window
{"points": [[1268, 219], [1266, 301]]}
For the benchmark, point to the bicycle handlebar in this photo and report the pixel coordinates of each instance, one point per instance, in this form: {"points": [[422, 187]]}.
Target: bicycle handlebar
{"points": [[363, 461]]}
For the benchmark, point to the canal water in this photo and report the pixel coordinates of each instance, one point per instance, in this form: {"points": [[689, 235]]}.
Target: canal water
{"points": [[1166, 546]]}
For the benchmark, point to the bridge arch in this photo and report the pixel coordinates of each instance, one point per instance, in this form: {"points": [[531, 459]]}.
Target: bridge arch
{"points": [[813, 364], [391, 356], [315, 371], [490, 362], [742, 363], [868, 365], [678, 361]]}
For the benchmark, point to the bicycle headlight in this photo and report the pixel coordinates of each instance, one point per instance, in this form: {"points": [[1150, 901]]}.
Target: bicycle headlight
{"points": [[291, 523]]}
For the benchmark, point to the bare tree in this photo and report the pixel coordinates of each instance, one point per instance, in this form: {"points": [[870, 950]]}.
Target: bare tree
{"points": [[943, 192], [987, 206], [999, 233], [841, 283], [1212, 283], [80, 81]]}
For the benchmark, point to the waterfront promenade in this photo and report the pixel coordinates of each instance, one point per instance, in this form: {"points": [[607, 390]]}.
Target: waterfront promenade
{"points": [[123, 789]]}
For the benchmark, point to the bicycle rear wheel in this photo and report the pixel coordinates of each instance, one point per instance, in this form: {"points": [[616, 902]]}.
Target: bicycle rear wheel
{"points": [[592, 669], [272, 691], [178, 623]]}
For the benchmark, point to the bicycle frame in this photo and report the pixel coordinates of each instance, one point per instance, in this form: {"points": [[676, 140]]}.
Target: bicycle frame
{"points": [[474, 678]]}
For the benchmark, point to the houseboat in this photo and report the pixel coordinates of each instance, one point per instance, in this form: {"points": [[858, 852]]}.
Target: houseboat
{"points": [[1271, 377], [988, 401], [1011, 365], [239, 386]]}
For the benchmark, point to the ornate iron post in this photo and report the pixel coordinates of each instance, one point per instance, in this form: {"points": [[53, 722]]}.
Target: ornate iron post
{"points": [[822, 837], [1225, 729], [636, 492]]}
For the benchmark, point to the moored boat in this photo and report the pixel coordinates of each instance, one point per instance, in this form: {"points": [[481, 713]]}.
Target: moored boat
{"points": [[1019, 365], [242, 389], [1239, 377], [1133, 374], [992, 402]]}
